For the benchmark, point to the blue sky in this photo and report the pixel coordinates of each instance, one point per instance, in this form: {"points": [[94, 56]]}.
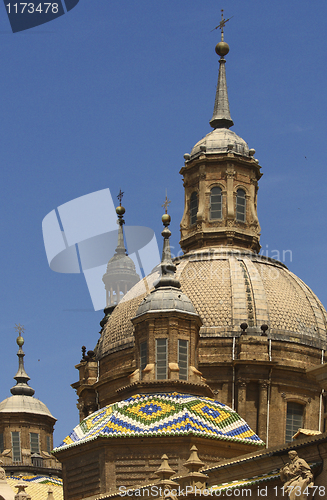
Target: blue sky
{"points": [[111, 95]]}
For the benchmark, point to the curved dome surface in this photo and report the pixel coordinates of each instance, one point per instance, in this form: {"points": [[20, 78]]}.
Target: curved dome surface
{"points": [[226, 288], [120, 263], [167, 414], [218, 141], [166, 299], [24, 404]]}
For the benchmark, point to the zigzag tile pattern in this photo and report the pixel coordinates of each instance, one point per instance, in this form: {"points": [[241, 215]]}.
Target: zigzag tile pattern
{"points": [[164, 414], [38, 486]]}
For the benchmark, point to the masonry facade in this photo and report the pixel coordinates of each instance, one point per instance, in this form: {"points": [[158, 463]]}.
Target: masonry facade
{"points": [[214, 350]]}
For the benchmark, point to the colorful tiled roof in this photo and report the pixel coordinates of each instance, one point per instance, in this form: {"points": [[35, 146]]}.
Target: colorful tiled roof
{"points": [[167, 414], [38, 486]]}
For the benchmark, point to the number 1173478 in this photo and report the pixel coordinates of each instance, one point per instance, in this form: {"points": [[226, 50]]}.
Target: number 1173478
{"points": [[31, 8], [297, 491]]}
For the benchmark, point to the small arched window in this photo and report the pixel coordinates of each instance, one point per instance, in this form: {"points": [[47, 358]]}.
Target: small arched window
{"points": [[294, 420], [161, 359], [240, 205], [193, 207], [215, 203], [143, 356]]}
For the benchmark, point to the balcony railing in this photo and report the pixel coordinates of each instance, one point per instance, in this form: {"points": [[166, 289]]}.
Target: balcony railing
{"points": [[47, 463]]}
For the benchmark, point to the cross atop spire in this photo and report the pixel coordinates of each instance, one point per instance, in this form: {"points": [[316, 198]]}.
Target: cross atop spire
{"points": [[222, 24], [166, 204], [20, 329], [120, 196]]}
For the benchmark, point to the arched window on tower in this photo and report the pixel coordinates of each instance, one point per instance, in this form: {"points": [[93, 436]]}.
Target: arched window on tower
{"points": [[34, 442], [16, 450], [215, 203], [193, 207], [48, 444], [240, 205], [143, 356], [161, 359], [294, 420], [183, 359]]}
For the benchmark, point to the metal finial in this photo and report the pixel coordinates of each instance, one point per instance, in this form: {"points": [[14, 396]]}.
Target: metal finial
{"points": [[167, 202], [20, 329], [221, 115], [21, 377], [222, 23], [120, 196]]}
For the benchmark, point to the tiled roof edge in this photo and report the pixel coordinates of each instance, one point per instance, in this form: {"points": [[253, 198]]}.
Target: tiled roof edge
{"points": [[277, 450]]}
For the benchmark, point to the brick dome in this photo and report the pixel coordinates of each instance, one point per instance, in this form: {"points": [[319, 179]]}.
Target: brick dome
{"points": [[228, 287]]}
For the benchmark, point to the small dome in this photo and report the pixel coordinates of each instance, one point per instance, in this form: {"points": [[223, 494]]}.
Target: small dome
{"points": [[218, 141], [120, 263], [166, 299], [24, 404]]}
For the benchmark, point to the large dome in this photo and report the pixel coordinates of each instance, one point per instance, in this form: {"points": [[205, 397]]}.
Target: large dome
{"points": [[228, 287]]}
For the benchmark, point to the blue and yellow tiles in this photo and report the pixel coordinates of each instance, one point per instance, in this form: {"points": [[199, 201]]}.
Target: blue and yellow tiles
{"points": [[38, 486], [163, 414]]}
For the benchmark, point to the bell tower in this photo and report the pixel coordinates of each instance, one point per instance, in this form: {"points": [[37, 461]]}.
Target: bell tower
{"points": [[220, 178]]}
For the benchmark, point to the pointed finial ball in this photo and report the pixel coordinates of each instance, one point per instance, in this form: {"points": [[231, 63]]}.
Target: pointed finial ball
{"points": [[166, 219], [222, 49], [20, 341], [120, 210]]}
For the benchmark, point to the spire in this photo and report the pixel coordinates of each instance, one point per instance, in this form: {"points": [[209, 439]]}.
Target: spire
{"points": [[21, 388], [165, 472], [121, 274], [21, 493], [120, 250], [221, 115], [168, 268]]}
